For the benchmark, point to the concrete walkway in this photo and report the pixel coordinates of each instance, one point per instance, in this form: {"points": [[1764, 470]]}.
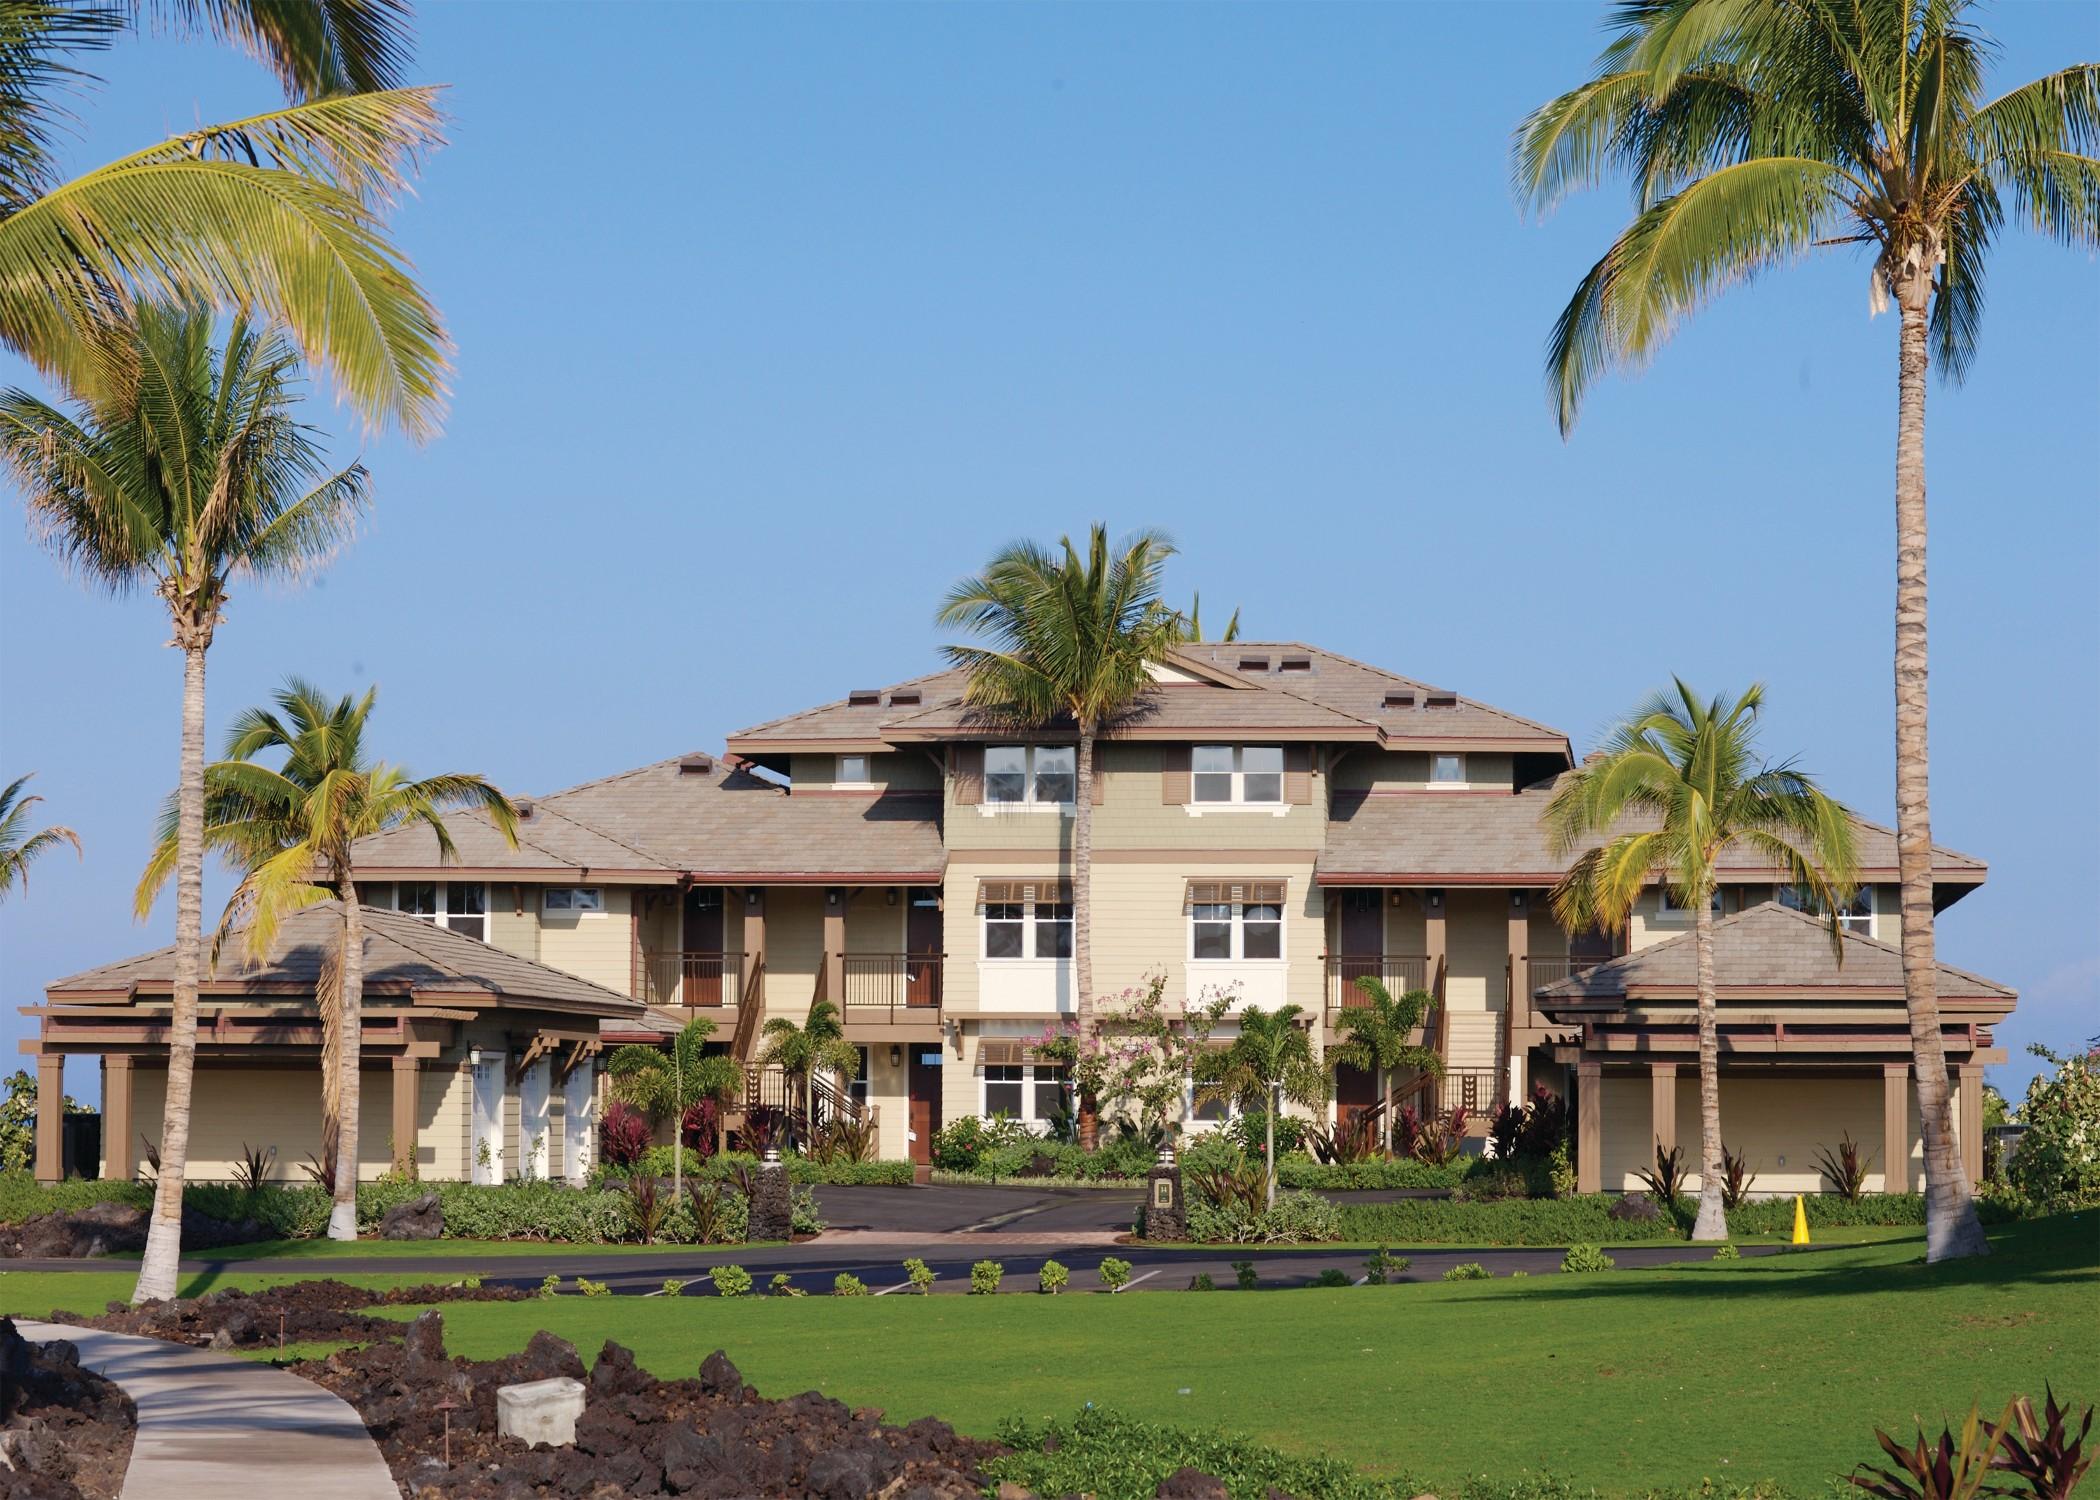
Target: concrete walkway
{"points": [[212, 1426]]}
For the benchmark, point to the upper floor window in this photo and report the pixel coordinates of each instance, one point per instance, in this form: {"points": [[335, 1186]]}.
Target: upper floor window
{"points": [[1019, 775], [1447, 770], [460, 905], [854, 770], [1236, 773], [1230, 921], [1025, 919], [581, 900], [1858, 916], [1667, 904]]}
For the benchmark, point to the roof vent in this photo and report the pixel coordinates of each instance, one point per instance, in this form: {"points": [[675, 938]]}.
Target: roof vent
{"points": [[904, 695], [1295, 664], [695, 765], [863, 698], [1399, 697], [1254, 664], [524, 808], [1440, 700]]}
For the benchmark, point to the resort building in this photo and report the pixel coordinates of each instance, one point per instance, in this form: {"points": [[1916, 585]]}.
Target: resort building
{"points": [[1271, 821]]}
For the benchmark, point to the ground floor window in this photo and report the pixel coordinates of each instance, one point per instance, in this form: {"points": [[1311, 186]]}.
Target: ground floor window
{"points": [[858, 1088], [1033, 1093]]}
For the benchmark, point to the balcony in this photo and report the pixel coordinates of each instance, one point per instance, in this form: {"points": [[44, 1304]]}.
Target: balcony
{"points": [[890, 988], [1544, 971], [691, 980], [1398, 972]]}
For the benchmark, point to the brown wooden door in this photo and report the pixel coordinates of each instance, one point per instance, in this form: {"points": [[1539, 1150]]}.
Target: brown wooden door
{"points": [[1354, 1090], [1360, 948], [922, 947], [701, 938], [924, 1085]]}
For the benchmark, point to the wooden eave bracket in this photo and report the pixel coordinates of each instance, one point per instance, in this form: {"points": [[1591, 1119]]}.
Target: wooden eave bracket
{"points": [[577, 1052]]}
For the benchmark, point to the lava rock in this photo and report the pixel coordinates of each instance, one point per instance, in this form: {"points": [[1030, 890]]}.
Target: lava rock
{"points": [[418, 1219], [1191, 1484], [1635, 1208], [718, 1377]]}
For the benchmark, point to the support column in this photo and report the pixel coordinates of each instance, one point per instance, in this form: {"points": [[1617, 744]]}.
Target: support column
{"points": [[1434, 939], [754, 929], [1895, 1128], [1970, 1114], [408, 1088], [50, 1116], [1662, 1104], [835, 945], [1516, 1011], [1589, 1127], [118, 1133]]}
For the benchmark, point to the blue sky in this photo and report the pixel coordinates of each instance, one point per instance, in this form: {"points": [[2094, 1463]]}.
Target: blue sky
{"points": [[774, 320]]}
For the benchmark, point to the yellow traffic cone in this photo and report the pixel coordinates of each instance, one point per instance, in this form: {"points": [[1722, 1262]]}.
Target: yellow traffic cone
{"points": [[1800, 1221]]}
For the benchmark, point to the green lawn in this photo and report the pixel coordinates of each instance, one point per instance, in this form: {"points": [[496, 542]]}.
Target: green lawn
{"points": [[1771, 1368], [326, 1249], [1825, 1235]]}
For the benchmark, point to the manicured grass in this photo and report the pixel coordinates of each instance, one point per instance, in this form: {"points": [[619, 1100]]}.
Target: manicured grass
{"points": [[1825, 1236], [325, 1249], [1774, 1368], [32, 1294]]}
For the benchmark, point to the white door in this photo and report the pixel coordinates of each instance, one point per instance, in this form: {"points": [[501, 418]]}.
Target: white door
{"points": [[533, 1146], [487, 1160], [579, 1123]]}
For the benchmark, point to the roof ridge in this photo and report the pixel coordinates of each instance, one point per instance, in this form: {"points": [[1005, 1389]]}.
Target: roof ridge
{"points": [[815, 708], [1417, 682], [613, 776], [611, 838]]}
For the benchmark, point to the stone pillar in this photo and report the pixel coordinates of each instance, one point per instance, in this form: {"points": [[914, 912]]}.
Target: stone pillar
{"points": [[1662, 1104], [772, 1214], [835, 945], [1895, 1128], [50, 1116], [1166, 1211], [408, 1088], [1589, 1127], [119, 1135], [1969, 1115]]}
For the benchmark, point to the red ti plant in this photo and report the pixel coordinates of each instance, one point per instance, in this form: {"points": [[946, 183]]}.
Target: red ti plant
{"points": [[623, 1135], [1442, 1139], [2044, 1453]]}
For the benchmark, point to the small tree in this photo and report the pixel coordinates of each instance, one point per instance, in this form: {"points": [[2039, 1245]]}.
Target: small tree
{"points": [[1269, 1061], [1377, 1036], [800, 1052], [664, 1085], [2057, 1164]]}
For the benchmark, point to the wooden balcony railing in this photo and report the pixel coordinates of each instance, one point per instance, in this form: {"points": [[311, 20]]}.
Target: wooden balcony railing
{"points": [[1398, 972], [890, 986], [690, 978], [1553, 970]]}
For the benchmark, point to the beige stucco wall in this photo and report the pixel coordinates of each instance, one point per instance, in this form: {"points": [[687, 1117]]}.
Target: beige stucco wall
{"points": [[592, 946], [1403, 770], [233, 1107], [1780, 1121]]}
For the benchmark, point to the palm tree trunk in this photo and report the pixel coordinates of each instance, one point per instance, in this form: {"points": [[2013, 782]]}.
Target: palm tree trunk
{"points": [[1712, 1223], [1951, 1226], [342, 1217], [164, 1233], [1083, 921], [1275, 1098]]}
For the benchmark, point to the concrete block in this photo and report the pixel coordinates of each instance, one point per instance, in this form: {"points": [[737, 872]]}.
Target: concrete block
{"points": [[540, 1411]]}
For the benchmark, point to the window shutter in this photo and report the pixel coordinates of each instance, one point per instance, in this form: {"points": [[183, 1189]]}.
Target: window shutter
{"points": [[969, 775], [1265, 893], [1174, 775], [998, 1054], [1297, 773]]}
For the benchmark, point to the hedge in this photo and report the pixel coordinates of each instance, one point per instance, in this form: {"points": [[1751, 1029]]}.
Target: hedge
{"points": [[657, 1160], [1587, 1220], [1300, 1171], [23, 1197]]}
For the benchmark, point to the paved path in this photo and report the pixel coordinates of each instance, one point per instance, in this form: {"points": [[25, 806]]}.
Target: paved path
{"points": [[212, 1426]]}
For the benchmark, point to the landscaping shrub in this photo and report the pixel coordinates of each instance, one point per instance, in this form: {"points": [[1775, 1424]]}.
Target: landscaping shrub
{"points": [[1114, 1273], [730, 1281], [23, 1197], [1249, 1131], [1383, 1265], [1545, 1127], [550, 1285], [1582, 1260], [1471, 1270], [1665, 1181], [623, 1134], [781, 1286], [1727, 1252], [591, 1288], [1736, 1178], [645, 1206], [673, 1287], [1332, 1276], [846, 1284], [1404, 1172], [2057, 1165], [1113, 1457], [984, 1278], [920, 1275], [803, 1217], [1846, 1168], [1201, 1282], [967, 1144], [1495, 1185], [1249, 1278], [657, 1161], [1297, 1218], [1588, 1220], [1504, 1126], [1053, 1278]]}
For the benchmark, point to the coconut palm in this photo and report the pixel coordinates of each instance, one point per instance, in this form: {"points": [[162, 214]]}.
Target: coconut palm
{"points": [[1192, 624], [289, 830], [277, 215], [189, 471], [1269, 1061], [801, 1052], [1377, 1036], [18, 847], [1074, 640], [1753, 131], [1687, 777]]}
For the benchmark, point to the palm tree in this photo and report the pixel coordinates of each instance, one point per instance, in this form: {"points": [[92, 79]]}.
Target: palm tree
{"points": [[1688, 773], [17, 852], [1754, 130], [1192, 624], [662, 1084], [1269, 1061], [1377, 1035], [1075, 639], [187, 472], [289, 831], [818, 1045], [277, 215]]}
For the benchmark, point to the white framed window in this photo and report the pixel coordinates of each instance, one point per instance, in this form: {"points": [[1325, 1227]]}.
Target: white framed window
{"points": [[1005, 1090], [1212, 1111], [854, 770], [459, 905], [1025, 921], [1857, 917], [1235, 922], [1225, 774], [1032, 1093], [573, 900], [857, 1089], [1030, 775], [1447, 770]]}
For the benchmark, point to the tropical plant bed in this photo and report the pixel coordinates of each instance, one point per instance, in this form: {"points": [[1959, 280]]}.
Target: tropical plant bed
{"points": [[292, 1312], [65, 1432]]}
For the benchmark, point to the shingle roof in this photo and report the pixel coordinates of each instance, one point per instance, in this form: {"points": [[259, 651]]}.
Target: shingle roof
{"points": [[401, 954], [547, 840], [1333, 697], [1430, 837], [1768, 947]]}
